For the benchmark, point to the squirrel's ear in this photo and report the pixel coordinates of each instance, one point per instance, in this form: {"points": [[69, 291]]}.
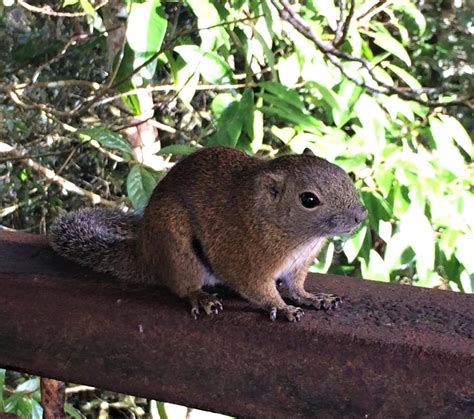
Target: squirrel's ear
{"points": [[272, 184], [308, 152]]}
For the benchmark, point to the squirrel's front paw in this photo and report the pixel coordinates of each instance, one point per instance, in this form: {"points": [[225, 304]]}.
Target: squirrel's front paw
{"points": [[326, 301], [292, 313], [208, 302]]}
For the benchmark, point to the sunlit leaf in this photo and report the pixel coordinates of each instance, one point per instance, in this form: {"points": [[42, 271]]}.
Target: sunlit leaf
{"points": [[405, 76], [447, 153], [352, 246], [208, 16], [29, 385], [458, 133], [186, 78], [390, 44], [146, 27], [289, 70], [36, 410], [87, 7], [212, 67], [416, 225], [467, 282], [375, 269], [221, 102]]}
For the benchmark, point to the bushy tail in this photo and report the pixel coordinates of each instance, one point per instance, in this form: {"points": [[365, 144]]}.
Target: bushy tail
{"points": [[102, 239]]}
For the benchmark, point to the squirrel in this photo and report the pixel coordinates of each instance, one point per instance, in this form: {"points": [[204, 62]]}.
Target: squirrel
{"points": [[221, 216]]}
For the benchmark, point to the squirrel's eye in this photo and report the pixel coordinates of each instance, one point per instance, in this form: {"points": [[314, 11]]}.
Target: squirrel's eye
{"points": [[309, 200]]}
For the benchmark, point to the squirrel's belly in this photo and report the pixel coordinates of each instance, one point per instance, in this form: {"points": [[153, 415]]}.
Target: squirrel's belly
{"points": [[298, 257]]}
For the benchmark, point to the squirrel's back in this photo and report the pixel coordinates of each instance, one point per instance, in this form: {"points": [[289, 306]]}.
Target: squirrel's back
{"points": [[102, 239]]}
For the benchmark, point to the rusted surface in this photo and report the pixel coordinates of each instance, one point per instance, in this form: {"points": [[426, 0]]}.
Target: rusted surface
{"points": [[391, 351]]}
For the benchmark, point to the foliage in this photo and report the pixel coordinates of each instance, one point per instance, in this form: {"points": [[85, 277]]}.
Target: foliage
{"points": [[23, 400]]}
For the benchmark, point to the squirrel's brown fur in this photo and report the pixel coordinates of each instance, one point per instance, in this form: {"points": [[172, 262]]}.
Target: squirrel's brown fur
{"points": [[221, 216]]}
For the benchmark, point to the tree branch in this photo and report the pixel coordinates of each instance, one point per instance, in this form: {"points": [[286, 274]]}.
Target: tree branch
{"points": [[289, 15], [51, 176], [343, 24], [47, 10]]}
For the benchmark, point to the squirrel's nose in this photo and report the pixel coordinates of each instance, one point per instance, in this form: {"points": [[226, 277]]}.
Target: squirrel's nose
{"points": [[360, 214]]}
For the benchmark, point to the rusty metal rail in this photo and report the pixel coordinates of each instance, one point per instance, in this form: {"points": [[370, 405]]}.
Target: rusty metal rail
{"points": [[390, 351]]}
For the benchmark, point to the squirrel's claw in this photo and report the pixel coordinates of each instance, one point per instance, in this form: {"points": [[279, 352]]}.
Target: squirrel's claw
{"points": [[195, 312], [293, 314], [326, 301], [208, 302]]}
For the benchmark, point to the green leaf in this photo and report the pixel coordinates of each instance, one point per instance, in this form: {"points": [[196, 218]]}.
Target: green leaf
{"points": [[140, 185], [211, 66], [237, 117], [11, 403], [390, 44], [446, 152], [257, 129], [336, 105], [288, 96], [125, 64], [467, 282], [107, 139], [376, 269], [410, 9], [373, 121], [406, 77], [186, 78], [324, 260], [72, 411], [146, 27], [246, 107], [30, 385], [305, 122], [458, 133], [394, 249], [416, 225], [207, 16], [87, 7], [289, 70], [349, 94], [221, 102], [229, 127], [177, 149], [36, 409], [2, 384], [464, 251], [396, 106], [352, 246]]}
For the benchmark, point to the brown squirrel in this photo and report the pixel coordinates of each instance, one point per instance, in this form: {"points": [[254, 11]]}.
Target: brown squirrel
{"points": [[222, 216]]}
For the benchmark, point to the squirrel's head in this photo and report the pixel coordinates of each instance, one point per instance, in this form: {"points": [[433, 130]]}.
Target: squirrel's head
{"points": [[308, 196]]}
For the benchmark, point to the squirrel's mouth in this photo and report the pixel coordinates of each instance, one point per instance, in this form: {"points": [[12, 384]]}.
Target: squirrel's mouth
{"points": [[345, 224]]}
